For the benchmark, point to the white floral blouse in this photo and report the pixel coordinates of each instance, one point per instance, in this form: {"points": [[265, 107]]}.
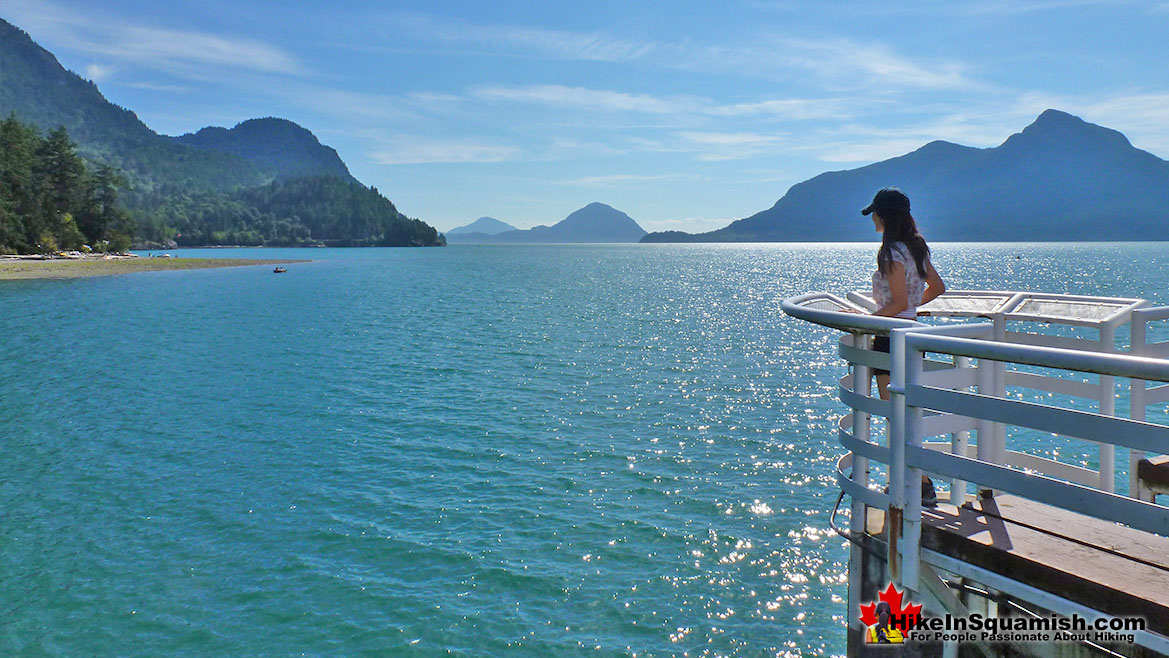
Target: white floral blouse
{"points": [[914, 285]]}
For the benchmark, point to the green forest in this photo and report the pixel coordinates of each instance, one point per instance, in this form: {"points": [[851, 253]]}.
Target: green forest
{"points": [[318, 210], [50, 200]]}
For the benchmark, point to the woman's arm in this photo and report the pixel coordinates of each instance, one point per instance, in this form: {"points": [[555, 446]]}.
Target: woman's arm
{"points": [[934, 286], [900, 297]]}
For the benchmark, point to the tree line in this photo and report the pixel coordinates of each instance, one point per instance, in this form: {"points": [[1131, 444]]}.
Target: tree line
{"points": [[50, 200], [308, 211]]}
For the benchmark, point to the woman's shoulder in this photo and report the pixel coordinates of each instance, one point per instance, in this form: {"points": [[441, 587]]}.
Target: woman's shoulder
{"points": [[900, 251]]}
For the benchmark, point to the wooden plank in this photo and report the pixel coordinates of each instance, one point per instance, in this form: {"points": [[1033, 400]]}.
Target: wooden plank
{"points": [[1111, 568], [1109, 536]]}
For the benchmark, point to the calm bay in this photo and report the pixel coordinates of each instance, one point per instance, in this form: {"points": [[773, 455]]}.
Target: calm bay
{"points": [[484, 449]]}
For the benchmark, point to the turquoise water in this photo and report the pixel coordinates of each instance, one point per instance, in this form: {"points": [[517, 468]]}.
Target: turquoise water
{"points": [[482, 450]]}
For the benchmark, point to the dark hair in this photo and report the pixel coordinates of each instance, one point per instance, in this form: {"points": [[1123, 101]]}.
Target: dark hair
{"points": [[900, 227]]}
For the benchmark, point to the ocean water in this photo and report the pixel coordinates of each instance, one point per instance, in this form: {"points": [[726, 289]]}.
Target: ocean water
{"points": [[476, 450]]}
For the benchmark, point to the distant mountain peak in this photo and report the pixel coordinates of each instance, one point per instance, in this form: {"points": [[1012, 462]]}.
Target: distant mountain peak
{"points": [[1052, 115], [485, 225], [596, 222], [1058, 125]]}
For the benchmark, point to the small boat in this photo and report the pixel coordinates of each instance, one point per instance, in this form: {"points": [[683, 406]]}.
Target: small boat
{"points": [[279, 270]]}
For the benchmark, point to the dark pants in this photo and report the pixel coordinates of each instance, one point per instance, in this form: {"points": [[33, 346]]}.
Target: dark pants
{"points": [[880, 344]]}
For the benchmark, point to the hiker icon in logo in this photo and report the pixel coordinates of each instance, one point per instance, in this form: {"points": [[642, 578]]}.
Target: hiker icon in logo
{"points": [[886, 621], [882, 632]]}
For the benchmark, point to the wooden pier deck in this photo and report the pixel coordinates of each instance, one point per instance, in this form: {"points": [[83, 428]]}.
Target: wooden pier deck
{"points": [[1106, 566]]}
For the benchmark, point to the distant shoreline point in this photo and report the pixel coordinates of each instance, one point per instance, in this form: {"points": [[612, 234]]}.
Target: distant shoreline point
{"points": [[32, 267]]}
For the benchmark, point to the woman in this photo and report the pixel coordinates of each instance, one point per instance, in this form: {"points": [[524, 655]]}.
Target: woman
{"points": [[905, 279]]}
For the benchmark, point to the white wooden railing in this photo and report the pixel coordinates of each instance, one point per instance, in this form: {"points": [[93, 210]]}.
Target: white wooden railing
{"points": [[960, 392]]}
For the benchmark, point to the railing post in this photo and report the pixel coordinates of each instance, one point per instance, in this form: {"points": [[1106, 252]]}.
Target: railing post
{"points": [[861, 385], [904, 520], [1136, 400], [999, 389], [1107, 408], [959, 442], [984, 427], [911, 548], [897, 499]]}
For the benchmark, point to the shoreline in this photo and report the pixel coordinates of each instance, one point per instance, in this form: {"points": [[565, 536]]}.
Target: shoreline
{"points": [[20, 269]]}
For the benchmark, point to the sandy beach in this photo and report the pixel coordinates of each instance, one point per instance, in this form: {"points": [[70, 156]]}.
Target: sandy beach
{"points": [[70, 268]]}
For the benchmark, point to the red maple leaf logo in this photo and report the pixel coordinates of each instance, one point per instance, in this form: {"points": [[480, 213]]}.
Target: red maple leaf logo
{"points": [[902, 618]]}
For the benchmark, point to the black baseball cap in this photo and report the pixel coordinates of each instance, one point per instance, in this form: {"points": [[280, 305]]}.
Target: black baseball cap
{"points": [[888, 198]]}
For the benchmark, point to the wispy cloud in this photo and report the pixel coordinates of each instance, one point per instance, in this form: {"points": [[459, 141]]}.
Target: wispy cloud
{"points": [[413, 150], [1010, 7], [148, 47], [794, 109], [177, 48], [688, 224], [625, 180], [157, 87], [835, 63], [580, 97], [713, 146], [566, 145], [520, 40], [869, 65], [98, 72]]}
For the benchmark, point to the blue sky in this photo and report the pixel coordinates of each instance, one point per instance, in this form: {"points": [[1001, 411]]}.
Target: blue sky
{"points": [[686, 115]]}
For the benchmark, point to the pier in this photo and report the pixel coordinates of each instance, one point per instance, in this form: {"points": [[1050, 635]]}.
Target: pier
{"points": [[987, 392]]}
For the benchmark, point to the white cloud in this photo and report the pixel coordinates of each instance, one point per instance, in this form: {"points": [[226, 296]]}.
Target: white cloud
{"points": [[626, 180], [514, 39], [156, 87], [98, 72], [784, 109], [561, 144], [171, 48], [732, 146], [580, 97], [176, 51], [1008, 7], [828, 63], [794, 109], [413, 150], [688, 224], [844, 61]]}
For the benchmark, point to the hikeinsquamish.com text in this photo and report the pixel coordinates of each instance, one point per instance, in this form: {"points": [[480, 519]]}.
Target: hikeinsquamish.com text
{"points": [[981, 628]]}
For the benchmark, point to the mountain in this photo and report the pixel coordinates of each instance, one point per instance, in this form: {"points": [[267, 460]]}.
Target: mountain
{"points": [[40, 91], [595, 222], [275, 145], [1061, 178], [486, 225], [197, 186]]}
